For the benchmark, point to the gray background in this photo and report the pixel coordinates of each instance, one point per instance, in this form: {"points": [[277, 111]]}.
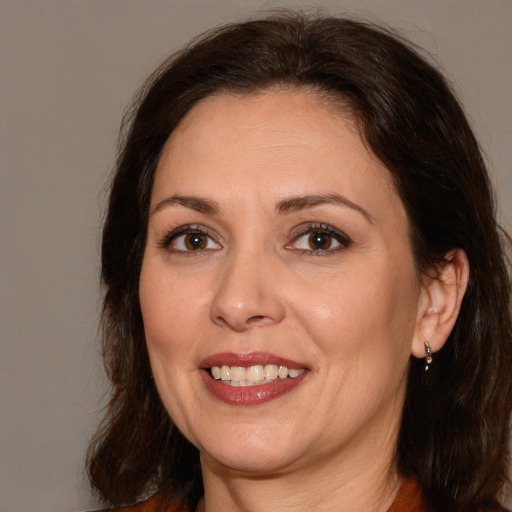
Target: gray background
{"points": [[68, 69]]}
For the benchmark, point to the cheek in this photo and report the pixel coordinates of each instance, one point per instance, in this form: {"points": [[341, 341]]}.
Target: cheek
{"points": [[372, 310], [170, 311], [167, 301]]}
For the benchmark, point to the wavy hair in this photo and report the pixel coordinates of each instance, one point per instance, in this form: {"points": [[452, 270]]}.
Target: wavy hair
{"points": [[455, 426]]}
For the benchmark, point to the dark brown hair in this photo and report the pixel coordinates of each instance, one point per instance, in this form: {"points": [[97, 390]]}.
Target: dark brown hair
{"points": [[455, 426]]}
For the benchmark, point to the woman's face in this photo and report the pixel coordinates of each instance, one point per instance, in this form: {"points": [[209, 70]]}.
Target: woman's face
{"points": [[276, 239]]}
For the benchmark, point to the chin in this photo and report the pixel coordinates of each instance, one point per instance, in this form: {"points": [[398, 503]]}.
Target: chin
{"points": [[248, 461], [251, 451]]}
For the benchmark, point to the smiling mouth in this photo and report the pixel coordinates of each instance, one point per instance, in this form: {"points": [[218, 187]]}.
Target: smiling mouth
{"points": [[253, 375]]}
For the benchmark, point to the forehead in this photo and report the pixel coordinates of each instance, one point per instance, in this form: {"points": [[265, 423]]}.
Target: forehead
{"points": [[271, 142]]}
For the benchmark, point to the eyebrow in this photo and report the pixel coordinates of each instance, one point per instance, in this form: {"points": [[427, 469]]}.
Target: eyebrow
{"points": [[289, 205], [198, 204], [298, 203]]}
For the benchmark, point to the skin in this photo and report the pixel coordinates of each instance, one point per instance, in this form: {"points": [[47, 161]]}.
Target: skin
{"points": [[352, 314]]}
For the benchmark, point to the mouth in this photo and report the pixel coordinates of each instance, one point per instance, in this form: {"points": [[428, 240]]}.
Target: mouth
{"points": [[255, 375], [250, 379]]}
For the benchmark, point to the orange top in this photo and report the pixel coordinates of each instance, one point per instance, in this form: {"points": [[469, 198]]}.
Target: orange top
{"points": [[408, 499], [153, 504]]}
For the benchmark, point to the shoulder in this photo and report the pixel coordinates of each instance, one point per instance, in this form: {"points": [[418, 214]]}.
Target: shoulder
{"points": [[493, 508], [153, 504], [410, 497]]}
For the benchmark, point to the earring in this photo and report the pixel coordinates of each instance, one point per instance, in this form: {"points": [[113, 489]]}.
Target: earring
{"points": [[428, 356]]}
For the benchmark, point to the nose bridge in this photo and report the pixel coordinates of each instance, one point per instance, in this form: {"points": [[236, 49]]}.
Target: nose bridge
{"points": [[248, 294]]}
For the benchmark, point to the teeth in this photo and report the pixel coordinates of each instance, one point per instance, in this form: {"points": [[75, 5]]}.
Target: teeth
{"points": [[271, 371], [255, 373], [238, 374], [225, 373], [258, 374]]}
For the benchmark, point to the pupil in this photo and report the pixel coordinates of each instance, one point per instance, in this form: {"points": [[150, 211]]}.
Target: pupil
{"points": [[195, 241], [320, 240]]}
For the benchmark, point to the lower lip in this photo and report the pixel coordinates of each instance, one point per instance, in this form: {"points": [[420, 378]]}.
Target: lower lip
{"points": [[250, 395]]}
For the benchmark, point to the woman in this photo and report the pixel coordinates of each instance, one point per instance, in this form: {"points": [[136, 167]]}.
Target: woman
{"points": [[307, 305]]}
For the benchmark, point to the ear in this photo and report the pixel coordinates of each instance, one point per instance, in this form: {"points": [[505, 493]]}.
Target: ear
{"points": [[439, 304]]}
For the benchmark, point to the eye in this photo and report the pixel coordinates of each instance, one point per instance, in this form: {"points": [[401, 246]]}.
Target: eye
{"points": [[316, 241], [320, 238], [320, 241], [193, 242], [189, 239]]}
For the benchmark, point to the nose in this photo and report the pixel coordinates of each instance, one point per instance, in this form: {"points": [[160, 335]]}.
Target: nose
{"points": [[248, 293]]}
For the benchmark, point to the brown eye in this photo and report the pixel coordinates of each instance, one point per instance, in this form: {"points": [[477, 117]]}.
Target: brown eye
{"points": [[189, 241], [319, 240], [195, 241]]}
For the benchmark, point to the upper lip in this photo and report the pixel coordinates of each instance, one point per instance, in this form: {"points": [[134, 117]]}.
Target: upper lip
{"points": [[249, 359]]}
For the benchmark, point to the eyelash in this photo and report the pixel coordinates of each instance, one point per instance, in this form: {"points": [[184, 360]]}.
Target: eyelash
{"points": [[187, 229], [318, 228]]}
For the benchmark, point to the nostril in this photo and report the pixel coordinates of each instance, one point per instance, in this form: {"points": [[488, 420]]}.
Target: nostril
{"points": [[259, 320], [255, 318]]}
